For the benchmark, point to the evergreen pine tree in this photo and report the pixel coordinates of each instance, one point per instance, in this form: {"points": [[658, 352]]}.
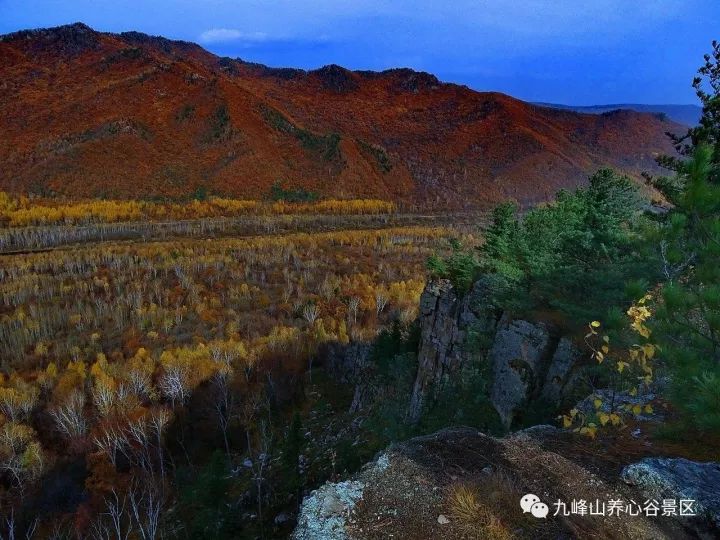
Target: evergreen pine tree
{"points": [[688, 317]]}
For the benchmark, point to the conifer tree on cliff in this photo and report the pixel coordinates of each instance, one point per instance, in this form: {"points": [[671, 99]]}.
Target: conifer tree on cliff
{"points": [[688, 317]]}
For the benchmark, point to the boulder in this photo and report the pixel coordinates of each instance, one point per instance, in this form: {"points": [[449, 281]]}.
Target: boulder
{"points": [[613, 401], [679, 478], [324, 512]]}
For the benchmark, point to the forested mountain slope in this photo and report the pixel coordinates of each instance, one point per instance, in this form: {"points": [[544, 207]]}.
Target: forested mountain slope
{"points": [[85, 113]]}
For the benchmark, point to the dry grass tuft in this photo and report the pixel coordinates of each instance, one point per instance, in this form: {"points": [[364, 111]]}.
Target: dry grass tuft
{"points": [[473, 517]]}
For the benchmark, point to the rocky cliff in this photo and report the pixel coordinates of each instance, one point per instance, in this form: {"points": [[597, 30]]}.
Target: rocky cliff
{"points": [[460, 483], [530, 361], [446, 324]]}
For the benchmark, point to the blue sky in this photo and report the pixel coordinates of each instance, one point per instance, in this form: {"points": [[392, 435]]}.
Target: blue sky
{"points": [[577, 52]]}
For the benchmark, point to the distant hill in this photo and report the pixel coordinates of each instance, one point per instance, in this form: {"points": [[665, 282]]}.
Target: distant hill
{"points": [[688, 115], [91, 114]]}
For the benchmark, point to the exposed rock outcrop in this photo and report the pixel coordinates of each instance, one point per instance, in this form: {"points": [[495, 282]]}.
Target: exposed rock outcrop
{"points": [[617, 401], [676, 479], [323, 515], [336, 78], [346, 363], [405, 492], [529, 360], [519, 357], [445, 322], [559, 372]]}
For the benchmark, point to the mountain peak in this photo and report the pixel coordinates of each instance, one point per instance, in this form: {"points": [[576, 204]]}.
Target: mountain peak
{"points": [[336, 78], [69, 39], [162, 43]]}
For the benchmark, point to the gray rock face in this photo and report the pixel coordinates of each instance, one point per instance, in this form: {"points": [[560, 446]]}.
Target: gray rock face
{"points": [[445, 321], [613, 401], [527, 359], [678, 478], [324, 513], [560, 370], [520, 357]]}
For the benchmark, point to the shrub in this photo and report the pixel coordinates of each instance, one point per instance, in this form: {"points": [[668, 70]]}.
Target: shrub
{"points": [[460, 267], [220, 125], [327, 145], [294, 195]]}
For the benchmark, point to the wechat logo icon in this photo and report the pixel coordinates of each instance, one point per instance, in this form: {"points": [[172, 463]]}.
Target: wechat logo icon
{"points": [[532, 503]]}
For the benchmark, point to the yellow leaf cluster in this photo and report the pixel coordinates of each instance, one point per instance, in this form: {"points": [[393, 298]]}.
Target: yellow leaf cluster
{"points": [[638, 356]]}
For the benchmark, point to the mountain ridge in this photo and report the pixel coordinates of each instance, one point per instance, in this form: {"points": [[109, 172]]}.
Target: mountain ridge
{"points": [[92, 114], [686, 114]]}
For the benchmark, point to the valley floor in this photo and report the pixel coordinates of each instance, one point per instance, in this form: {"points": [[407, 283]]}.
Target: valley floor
{"points": [[133, 350]]}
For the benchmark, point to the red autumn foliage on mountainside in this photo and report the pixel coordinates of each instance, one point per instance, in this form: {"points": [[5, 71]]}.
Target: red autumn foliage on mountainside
{"points": [[90, 114]]}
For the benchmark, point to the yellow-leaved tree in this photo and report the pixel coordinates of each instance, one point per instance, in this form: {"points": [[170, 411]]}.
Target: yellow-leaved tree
{"points": [[631, 372]]}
